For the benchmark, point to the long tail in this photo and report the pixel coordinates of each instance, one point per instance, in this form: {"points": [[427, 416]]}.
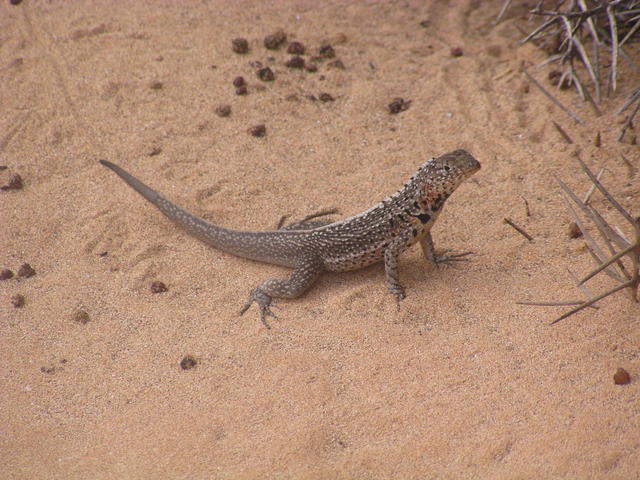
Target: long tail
{"points": [[247, 244]]}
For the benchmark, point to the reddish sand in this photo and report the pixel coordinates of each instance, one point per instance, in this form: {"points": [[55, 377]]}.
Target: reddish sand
{"points": [[460, 383]]}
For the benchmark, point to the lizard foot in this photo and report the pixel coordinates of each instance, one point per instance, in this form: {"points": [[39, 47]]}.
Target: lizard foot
{"points": [[398, 292], [264, 301], [453, 257]]}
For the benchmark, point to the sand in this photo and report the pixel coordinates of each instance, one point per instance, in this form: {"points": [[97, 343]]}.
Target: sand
{"points": [[460, 383]]}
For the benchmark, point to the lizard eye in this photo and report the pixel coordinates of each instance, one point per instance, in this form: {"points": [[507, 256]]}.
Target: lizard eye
{"points": [[447, 168]]}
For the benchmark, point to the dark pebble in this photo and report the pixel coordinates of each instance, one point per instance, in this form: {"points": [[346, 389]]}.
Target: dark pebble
{"points": [[325, 97], [621, 377], [295, 48], [456, 52], [240, 45], [158, 287], [266, 74], [295, 62], [156, 85], [398, 105], [18, 301], [242, 90], [188, 362], [223, 110], [327, 51], [273, 41], [311, 67], [258, 130], [81, 317], [425, 23], [239, 82], [6, 274], [15, 2], [15, 183], [26, 271]]}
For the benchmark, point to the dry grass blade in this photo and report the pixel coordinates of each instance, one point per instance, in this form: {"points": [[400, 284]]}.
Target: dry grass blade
{"points": [[553, 99], [503, 10], [630, 279], [615, 289], [595, 251], [564, 303], [518, 229], [561, 131], [606, 194], [610, 261], [613, 25], [629, 121], [592, 189]]}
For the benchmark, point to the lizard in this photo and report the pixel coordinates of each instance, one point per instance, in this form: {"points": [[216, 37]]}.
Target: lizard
{"points": [[381, 233]]}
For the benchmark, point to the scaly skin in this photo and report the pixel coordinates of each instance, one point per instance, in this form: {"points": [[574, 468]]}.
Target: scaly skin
{"points": [[381, 233]]}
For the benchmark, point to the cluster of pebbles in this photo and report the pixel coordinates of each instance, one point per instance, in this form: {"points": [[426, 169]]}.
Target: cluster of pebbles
{"points": [[300, 59]]}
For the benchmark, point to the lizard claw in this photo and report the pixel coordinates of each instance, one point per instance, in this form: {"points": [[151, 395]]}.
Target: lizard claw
{"points": [[398, 292], [453, 257], [263, 300]]}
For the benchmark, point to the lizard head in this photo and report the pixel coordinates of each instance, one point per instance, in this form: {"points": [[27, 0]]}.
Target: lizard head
{"points": [[442, 175]]}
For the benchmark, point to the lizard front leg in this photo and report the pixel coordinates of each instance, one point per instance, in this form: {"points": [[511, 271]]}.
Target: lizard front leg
{"points": [[300, 280], [430, 254], [391, 254]]}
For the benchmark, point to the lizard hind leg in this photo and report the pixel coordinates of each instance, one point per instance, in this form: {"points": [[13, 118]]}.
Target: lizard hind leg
{"points": [[302, 277]]}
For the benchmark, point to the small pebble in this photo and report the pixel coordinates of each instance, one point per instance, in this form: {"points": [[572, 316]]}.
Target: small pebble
{"points": [[3, 167], [336, 64], [456, 52], [340, 38], [15, 183], [15, 2], [258, 130], [6, 274], [81, 317], [242, 90], [239, 82], [240, 45], [18, 301], [266, 74], [155, 151], [327, 51], [223, 110], [574, 230], [311, 67], [26, 271], [295, 48], [425, 23], [188, 362], [621, 377], [398, 105], [295, 62], [325, 97], [156, 85], [158, 287], [273, 41]]}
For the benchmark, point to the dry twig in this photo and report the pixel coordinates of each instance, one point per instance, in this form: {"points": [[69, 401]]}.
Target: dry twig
{"points": [[618, 246]]}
